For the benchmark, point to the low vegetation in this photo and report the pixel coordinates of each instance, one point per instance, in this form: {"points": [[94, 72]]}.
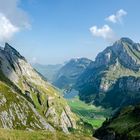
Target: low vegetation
{"points": [[125, 125], [89, 113], [39, 135]]}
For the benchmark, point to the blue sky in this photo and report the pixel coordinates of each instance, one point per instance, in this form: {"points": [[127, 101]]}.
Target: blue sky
{"points": [[57, 30]]}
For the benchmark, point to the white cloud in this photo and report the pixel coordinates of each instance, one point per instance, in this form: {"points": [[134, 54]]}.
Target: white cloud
{"points": [[115, 18], [7, 29], [104, 32], [12, 19]]}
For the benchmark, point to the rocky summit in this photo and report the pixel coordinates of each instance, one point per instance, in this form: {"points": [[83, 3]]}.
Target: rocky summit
{"points": [[113, 74], [27, 102]]}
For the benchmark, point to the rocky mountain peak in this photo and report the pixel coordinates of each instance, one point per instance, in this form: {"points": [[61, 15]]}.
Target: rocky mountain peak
{"points": [[124, 50], [123, 42], [12, 52], [126, 39]]}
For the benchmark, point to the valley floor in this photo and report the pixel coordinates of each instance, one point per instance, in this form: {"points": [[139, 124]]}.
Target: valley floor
{"points": [[39, 135], [89, 113]]}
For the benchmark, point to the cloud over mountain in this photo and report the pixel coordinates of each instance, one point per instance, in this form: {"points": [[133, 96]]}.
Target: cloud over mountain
{"points": [[12, 19], [7, 29], [117, 18], [104, 32]]}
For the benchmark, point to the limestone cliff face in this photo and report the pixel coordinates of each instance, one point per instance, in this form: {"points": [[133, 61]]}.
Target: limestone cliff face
{"points": [[129, 83], [116, 61], [39, 97], [17, 113], [126, 91]]}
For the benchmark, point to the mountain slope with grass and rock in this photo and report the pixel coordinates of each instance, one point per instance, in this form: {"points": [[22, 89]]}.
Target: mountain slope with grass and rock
{"points": [[113, 75]]}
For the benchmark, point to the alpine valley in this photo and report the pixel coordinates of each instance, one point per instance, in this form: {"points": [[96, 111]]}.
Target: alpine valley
{"points": [[86, 100], [110, 88]]}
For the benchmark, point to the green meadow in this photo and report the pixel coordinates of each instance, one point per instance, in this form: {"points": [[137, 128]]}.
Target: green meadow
{"points": [[89, 113]]}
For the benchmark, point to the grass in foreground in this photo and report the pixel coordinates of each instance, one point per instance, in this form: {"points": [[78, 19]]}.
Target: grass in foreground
{"points": [[39, 135], [89, 113]]}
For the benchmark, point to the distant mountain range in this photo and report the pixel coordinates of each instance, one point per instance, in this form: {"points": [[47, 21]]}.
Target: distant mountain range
{"points": [[48, 71], [64, 76], [67, 76]]}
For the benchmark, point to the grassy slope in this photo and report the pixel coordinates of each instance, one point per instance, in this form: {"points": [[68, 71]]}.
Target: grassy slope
{"points": [[38, 135], [46, 90], [89, 113], [125, 125], [126, 122]]}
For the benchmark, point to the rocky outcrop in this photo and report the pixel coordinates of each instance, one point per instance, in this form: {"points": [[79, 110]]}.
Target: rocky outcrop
{"points": [[129, 83], [17, 113], [66, 121], [126, 91], [54, 116]]}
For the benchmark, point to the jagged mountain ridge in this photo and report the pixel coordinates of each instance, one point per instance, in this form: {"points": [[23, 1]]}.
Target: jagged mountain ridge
{"points": [[116, 61], [27, 101], [69, 73]]}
